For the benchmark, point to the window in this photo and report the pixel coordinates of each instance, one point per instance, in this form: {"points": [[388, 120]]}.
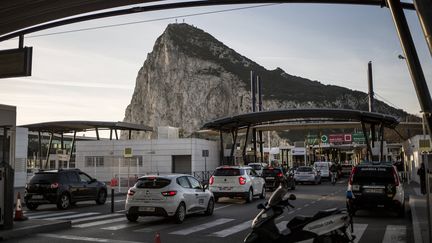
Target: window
{"points": [[72, 177], [152, 182], [194, 183], [91, 160], [228, 172], [183, 181], [132, 162], [84, 178], [253, 173]]}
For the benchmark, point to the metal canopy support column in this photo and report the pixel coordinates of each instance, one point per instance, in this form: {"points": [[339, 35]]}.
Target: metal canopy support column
{"points": [[110, 133], [115, 131], [62, 141], [382, 142], [49, 149], [97, 133], [368, 147], [245, 145], [424, 12], [221, 147], [234, 135], [411, 57], [5, 148], [260, 107], [130, 134], [72, 149], [40, 150]]}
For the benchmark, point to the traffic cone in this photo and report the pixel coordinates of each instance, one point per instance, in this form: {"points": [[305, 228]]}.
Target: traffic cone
{"points": [[157, 238], [19, 215]]}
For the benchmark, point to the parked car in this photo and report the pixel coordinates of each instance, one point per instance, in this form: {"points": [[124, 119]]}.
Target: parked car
{"points": [[273, 176], [307, 174], [174, 195], [258, 167], [237, 181], [376, 184], [323, 168], [346, 169], [63, 187]]}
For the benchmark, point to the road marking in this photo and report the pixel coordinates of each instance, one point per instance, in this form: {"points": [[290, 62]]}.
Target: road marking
{"points": [[99, 222], [34, 213], [233, 230], [81, 238], [201, 227], [415, 222], [120, 226], [154, 228], [313, 202], [395, 234], [359, 230], [96, 217], [49, 215], [282, 225], [222, 207], [121, 211], [306, 205], [116, 201], [72, 216]]}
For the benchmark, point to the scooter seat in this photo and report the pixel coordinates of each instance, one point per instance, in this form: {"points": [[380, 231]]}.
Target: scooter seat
{"points": [[324, 213], [298, 221]]}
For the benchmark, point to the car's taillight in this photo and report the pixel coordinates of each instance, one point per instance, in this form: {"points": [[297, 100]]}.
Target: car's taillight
{"points": [[242, 180], [54, 185], [131, 192], [169, 193], [279, 174], [396, 178], [211, 181], [353, 171]]}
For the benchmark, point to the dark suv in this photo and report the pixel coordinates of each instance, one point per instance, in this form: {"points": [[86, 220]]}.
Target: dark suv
{"points": [[64, 188], [274, 175], [373, 185]]}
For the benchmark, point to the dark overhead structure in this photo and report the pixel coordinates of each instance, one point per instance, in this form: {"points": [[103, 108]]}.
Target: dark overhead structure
{"points": [[62, 127], [251, 120]]}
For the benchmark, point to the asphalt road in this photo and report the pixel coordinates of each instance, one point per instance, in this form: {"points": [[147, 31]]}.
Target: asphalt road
{"points": [[230, 222]]}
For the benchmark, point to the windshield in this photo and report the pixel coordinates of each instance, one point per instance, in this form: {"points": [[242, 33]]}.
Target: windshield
{"points": [[44, 178], [152, 182], [277, 195]]}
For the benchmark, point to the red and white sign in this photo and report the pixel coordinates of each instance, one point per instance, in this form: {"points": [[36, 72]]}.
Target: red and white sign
{"points": [[348, 138], [336, 138]]}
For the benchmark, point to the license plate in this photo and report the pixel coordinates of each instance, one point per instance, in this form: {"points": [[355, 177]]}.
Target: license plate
{"points": [[225, 188], [146, 209], [270, 178], [355, 187], [373, 190], [37, 197]]}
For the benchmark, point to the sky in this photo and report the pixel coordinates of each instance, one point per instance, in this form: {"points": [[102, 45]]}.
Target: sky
{"points": [[90, 75]]}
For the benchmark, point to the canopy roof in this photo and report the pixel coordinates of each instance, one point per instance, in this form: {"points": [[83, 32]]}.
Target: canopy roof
{"points": [[81, 126], [300, 115]]}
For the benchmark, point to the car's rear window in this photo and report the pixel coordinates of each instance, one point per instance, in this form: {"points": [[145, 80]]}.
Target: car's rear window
{"points": [[152, 182], [228, 172], [322, 166], [41, 178], [273, 171], [373, 175], [304, 169], [256, 167]]}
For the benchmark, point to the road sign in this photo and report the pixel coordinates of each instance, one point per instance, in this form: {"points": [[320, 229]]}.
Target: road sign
{"points": [[128, 153], [358, 137], [324, 139], [424, 145], [63, 157], [205, 153]]}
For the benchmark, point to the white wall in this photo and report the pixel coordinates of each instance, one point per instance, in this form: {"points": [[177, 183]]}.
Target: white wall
{"points": [[21, 148]]}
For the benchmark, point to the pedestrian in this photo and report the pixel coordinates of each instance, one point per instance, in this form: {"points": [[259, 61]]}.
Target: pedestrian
{"points": [[422, 174]]}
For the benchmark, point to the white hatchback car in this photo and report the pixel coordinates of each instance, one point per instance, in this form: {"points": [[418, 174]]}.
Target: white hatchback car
{"points": [[237, 181], [174, 195]]}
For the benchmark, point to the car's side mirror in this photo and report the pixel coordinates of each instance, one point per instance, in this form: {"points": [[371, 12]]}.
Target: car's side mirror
{"points": [[292, 197], [205, 187]]}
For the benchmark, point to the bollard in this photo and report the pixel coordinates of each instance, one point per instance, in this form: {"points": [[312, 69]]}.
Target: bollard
{"points": [[112, 200]]}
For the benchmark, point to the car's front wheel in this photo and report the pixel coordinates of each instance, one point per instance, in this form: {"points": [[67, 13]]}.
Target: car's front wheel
{"points": [[101, 197], [180, 214], [210, 207], [263, 193], [64, 201], [132, 217], [249, 197]]}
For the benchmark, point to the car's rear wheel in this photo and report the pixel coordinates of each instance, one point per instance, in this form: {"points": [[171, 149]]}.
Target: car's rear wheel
{"points": [[64, 201], [32, 206], [132, 217], [180, 214], [210, 207], [249, 197], [101, 197], [263, 193]]}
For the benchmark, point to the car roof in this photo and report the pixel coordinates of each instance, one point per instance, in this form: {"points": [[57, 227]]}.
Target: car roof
{"points": [[55, 171], [376, 164], [167, 176], [234, 167]]}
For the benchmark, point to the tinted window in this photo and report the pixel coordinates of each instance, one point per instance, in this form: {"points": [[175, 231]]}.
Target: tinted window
{"points": [[253, 173], [44, 178], [194, 183], [304, 169], [228, 172], [271, 172], [72, 177], [183, 181], [376, 175], [152, 182], [84, 178]]}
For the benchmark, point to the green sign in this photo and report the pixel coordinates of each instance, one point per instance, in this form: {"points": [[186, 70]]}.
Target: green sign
{"points": [[128, 153], [324, 139], [358, 137], [312, 139]]}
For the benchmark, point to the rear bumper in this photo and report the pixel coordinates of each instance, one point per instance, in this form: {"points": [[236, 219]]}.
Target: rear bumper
{"points": [[161, 208], [367, 202], [134, 210], [231, 194], [47, 198]]}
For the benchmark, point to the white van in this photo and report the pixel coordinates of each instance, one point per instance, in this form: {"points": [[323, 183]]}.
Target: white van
{"points": [[324, 168]]}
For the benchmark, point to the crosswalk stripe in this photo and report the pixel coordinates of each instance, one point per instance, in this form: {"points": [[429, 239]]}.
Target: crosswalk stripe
{"points": [[81, 238], [34, 213], [108, 221], [80, 215], [395, 234], [282, 225], [50, 215], [233, 230], [154, 228], [120, 226], [359, 230], [96, 217], [201, 227]]}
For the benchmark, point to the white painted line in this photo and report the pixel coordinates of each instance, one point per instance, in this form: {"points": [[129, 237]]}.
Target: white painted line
{"points": [[282, 225], [306, 205], [96, 217], [81, 238], [415, 222], [280, 217], [223, 207], [120, 226], [34, 213], [73, 216], [121, 211], [154, 228], [359, 230], [116, 201], [201, 227], [395, 234], [108, 221], [50, 214], [313, 202], [290, 212], [233, 230]]}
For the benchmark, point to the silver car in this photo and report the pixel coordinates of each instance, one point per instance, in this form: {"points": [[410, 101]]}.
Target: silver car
{"points": [[174, 195], [307, 174]]}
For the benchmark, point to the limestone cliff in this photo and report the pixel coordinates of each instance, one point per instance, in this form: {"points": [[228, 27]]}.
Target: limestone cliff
{"points": [[191, 78]]}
